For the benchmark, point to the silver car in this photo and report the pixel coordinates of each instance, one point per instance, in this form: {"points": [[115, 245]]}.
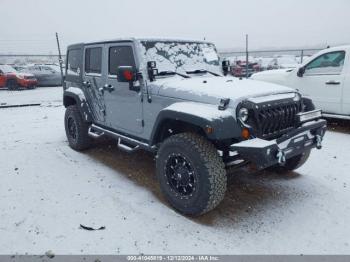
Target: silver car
{"points": [[47, 75]]}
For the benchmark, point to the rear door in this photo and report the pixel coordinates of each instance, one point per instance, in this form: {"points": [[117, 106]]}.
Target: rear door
{"points": [[323, 81], [93, 80], [123, 106]]}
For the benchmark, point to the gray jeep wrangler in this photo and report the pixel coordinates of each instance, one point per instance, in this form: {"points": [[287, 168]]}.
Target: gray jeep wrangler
{"points": [[174, 98]]}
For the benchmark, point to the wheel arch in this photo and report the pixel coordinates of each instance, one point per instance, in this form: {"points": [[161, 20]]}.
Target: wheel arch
{"points": [[170, 122], [76, 97]]}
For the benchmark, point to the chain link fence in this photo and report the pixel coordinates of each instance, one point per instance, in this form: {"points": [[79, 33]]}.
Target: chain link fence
{"points": [[25, 59], [300, 54], [254, 55]]}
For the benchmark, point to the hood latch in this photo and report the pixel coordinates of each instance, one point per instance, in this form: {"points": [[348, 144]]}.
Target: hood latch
{"points": [[223, 103]]}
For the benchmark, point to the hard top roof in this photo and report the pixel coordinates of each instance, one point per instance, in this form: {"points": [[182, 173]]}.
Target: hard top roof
{"points": [[132, 39]]}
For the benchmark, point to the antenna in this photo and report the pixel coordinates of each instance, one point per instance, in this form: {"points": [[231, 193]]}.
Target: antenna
{"points": [[60, 58]]}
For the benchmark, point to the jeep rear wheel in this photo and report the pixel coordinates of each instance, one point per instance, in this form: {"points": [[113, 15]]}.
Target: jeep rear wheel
{"points": [[191, 174], [76, 129], [291, 164]]}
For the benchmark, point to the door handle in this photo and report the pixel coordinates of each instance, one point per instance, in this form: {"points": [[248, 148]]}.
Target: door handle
{"points": [[332, 82], [109, 88]]}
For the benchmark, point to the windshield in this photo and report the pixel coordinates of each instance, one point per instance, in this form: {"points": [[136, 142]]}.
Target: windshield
{"points": [[181, 57], [7, 69]]}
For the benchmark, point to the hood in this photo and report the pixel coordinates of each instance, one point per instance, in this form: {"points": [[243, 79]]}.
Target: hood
{"points": [[27, 75], [278, 76], [212, 89]]}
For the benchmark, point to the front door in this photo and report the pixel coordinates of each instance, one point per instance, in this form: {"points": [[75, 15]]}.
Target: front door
{"points": [[323, 81], [93, 80], [123, 106]]}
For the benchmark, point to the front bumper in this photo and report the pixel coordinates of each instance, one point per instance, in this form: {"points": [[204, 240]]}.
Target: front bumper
{"points": [[28, 82], [264, 153]]}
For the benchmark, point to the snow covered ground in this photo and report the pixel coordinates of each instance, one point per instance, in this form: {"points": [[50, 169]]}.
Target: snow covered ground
{"points": [[47, 190]]}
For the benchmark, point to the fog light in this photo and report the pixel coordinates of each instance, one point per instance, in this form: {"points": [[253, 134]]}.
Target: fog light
{"points": [[245, 133]]}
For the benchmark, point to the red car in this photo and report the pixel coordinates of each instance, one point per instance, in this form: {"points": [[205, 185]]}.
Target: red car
{"points": [[240, 69], [12, 79]]}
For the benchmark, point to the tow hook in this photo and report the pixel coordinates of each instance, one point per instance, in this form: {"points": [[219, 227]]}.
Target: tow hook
{"points": [[281, 156], [318, 141]]}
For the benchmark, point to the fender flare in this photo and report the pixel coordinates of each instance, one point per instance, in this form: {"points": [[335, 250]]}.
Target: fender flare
{"points": [[223, 122], [76, 94]]}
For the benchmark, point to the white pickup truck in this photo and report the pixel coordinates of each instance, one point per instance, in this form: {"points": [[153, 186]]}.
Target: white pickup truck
{"points": [[325, 78]]}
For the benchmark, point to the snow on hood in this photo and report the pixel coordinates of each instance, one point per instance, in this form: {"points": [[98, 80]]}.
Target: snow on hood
{"points": [[284, 71], [212, 89], [25, 74], [278, 76]]}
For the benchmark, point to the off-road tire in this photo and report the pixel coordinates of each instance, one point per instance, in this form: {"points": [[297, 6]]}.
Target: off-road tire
{"points": [[291, 164], [209, 169], [81, 140], [12, 84]]}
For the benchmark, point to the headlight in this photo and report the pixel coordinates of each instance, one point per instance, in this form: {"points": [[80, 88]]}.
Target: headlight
{"points": [[20, 76], [243, 114]]}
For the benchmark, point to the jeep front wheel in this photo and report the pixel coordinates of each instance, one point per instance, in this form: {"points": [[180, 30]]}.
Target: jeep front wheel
{"points": [[76, 129], [191, 174]]}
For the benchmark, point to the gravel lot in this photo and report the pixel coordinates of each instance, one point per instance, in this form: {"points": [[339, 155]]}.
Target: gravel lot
{"points": [[47, 190]]}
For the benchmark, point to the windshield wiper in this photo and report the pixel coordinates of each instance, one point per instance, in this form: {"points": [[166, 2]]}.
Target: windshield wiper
{"points": [[202, 71], [169, 73]]}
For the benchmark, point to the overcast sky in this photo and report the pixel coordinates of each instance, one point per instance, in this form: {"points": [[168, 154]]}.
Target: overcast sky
{"points": [[28, 26]]}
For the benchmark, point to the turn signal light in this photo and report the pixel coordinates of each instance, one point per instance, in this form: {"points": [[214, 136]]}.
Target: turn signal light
{"points": [[245, 133], [209, 130]]}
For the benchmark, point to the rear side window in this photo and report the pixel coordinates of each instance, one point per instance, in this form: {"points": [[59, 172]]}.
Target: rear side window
{"points": [[120, 56], [93, 60], [73, 62]]}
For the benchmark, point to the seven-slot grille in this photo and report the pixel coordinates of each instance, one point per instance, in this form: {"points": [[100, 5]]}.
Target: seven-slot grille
{"points": [[278, 119]]}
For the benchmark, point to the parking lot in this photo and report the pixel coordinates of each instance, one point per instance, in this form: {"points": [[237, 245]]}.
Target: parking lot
{"points": [[47, 191]]}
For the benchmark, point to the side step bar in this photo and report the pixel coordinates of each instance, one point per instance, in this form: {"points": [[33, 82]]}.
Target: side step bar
{"points": [[127, 148], [133, 144]]}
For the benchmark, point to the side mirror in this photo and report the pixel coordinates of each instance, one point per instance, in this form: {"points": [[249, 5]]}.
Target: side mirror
{"points": [[126, 74], [225, 67], [152, 70], [301, 71]]}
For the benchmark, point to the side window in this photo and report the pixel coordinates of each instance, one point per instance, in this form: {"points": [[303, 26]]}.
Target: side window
{"points": [[330, 63], [120, 56], [93, 60], [73, 62]]}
